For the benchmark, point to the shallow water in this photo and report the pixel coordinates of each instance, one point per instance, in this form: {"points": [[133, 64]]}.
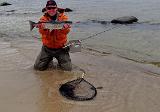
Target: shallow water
{"points": [[127, 86], [138, 41], [110, 59]]}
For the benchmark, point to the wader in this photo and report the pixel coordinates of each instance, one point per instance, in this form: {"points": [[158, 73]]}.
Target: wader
{"points": [[46, 56]]}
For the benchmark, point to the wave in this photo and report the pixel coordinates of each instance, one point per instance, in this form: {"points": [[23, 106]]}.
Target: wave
{"points": [[16, 12]]}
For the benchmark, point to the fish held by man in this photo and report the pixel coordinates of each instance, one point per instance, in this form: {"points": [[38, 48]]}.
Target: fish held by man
{"points": [[49, 25]]}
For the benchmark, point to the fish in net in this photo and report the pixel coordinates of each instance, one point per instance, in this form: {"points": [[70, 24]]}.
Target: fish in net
{"points": [[79, 90]]}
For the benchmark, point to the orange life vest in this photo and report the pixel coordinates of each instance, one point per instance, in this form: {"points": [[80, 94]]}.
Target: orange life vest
{"points": [[55, 38]]}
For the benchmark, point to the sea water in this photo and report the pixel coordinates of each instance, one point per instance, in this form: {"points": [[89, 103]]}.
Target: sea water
{"points": [[139, 41]]}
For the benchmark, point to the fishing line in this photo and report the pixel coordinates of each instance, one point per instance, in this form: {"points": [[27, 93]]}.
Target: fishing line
{"points": [[94, 35], [89, 37]]}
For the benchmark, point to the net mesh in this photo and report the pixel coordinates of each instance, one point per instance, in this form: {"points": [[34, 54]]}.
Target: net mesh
{"points": [[78, 89]]}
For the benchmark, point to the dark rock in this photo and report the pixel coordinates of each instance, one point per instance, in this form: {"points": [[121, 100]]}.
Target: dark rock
{"points": [[68, 10], [43, 10], [5, 4], [125, 20], [11, 11], [61, 10]]}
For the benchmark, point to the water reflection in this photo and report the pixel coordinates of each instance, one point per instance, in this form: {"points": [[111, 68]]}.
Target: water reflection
{"points": [[51, 100]]}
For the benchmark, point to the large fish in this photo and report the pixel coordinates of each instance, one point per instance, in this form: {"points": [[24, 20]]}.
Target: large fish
{"points": [[50, 25]]}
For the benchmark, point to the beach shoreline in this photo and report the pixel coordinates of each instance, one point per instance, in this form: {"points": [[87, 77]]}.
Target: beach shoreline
{"points": [[124, 82]]}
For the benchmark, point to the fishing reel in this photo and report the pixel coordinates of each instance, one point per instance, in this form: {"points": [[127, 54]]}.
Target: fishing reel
{"points": [[73, 46]]}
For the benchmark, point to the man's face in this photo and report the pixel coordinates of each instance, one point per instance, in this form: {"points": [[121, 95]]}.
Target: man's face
{"points": [[51, 10]]}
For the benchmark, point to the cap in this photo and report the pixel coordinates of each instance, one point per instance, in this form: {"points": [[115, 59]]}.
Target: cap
{"points": [[51, 2]]}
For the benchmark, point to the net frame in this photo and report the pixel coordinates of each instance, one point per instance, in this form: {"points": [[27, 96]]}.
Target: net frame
{"points": [[66, 90]]}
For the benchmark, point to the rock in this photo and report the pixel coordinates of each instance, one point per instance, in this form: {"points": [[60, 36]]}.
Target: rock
{"points": [[11, 11], [125, 20], [43, 10], [68, 10], [5, 4]]}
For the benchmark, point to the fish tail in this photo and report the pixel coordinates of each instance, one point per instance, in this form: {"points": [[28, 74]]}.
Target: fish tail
{"points": [[31, 25]]}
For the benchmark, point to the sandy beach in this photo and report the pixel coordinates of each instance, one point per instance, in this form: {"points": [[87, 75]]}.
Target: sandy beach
{"points": [[117, 60], [127, 86]]}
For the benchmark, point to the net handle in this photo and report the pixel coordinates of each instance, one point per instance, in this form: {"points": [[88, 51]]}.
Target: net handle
{"points": [[83, 74]]}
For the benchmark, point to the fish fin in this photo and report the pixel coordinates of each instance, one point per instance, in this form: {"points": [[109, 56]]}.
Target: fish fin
{"points": [[31, 25]]}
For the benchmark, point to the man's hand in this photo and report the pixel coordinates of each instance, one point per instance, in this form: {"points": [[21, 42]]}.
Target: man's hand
{"points": [[66, 26]]}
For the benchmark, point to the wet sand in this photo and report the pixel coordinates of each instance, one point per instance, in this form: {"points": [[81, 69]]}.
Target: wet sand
{"points": [[127, 86]]}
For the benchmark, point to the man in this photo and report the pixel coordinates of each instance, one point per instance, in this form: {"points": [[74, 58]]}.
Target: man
{"points": [[53, 41]]}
